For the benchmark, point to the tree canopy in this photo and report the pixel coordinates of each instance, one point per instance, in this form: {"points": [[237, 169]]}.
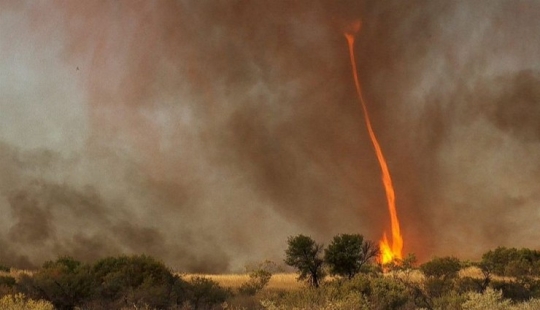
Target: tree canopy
{"points": [[304, 254], [348, 253]]}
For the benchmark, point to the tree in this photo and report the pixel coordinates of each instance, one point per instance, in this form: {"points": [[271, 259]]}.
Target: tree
{"points": [[304, 254], [346, 254]]}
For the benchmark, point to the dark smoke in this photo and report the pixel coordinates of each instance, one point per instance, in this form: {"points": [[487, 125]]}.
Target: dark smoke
{"points": [[206, 132]]}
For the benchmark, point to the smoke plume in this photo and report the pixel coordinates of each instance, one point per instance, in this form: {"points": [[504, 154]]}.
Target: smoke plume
{"points": [[207, 132]]}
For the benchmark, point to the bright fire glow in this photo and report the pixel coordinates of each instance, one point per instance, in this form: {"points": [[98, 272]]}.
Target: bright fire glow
{"points": [[389, 252]]}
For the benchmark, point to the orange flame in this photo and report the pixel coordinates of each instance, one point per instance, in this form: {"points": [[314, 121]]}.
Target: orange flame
{"points": [[393, 251]]}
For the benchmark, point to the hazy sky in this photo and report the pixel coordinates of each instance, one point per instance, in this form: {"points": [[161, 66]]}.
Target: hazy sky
{"points": [[207, 132]]}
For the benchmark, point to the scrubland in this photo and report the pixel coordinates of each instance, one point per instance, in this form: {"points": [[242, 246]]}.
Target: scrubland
{"points": [[504, 279]]}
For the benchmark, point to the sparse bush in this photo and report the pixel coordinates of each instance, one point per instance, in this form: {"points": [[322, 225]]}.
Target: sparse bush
{"points": [[4, 268], [533, 304], [20, 302], [451, 301], [258, 279], [489, 300], [361, 292], [329, 296]]}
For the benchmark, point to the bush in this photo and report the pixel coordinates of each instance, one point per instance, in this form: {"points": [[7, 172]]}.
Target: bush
{"points": [[259, 276], [470, 284], [7, 281], [444, 268], [329, 296], [4, 268], [258, 279], [135, 280], [111, 283], [66, 283], [512, 262], [204, 293], [20, 302], [513, 290], [388, 294], [489, 300]]}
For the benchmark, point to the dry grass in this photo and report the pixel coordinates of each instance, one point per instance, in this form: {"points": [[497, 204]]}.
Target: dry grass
{"points": [[279, 281], [473, 272], [16, 273], [415, 275]]}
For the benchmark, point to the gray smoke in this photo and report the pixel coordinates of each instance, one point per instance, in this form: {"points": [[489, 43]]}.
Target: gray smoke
{"points": [[207, 132]]}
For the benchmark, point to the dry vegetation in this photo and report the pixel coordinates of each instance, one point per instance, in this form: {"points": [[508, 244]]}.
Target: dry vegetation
{"points": [[16, 273], [279, 281], [505, 279]]}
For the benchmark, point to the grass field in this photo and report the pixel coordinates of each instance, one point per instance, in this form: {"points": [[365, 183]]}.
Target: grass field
{"points": [[285, 281]]}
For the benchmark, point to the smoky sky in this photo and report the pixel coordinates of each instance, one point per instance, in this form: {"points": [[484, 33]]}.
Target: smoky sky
{"points": [[206, 132]]}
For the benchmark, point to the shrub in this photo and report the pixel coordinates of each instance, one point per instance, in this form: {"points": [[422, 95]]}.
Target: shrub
{"points": [[512, 262], [7, 281], [259, 276], [388, 294], [512, 290], [444, 268], [66, 283], [470, 284], [329, 296], [489, 300], [4, 268], [20, 302], [450, 301], [205, 293], [258, 279], [440, 275], [135, 280], [533, 304]]}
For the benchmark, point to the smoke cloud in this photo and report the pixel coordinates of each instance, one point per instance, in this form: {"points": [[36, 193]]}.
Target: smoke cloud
{"points": [[207, 132]]}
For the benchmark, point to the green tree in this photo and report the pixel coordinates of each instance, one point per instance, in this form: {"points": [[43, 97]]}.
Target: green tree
{"points": [[304, 254], [346, 254]]}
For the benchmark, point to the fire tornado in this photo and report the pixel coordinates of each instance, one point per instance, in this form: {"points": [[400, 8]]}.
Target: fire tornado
{"points": [[393, 250]]}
